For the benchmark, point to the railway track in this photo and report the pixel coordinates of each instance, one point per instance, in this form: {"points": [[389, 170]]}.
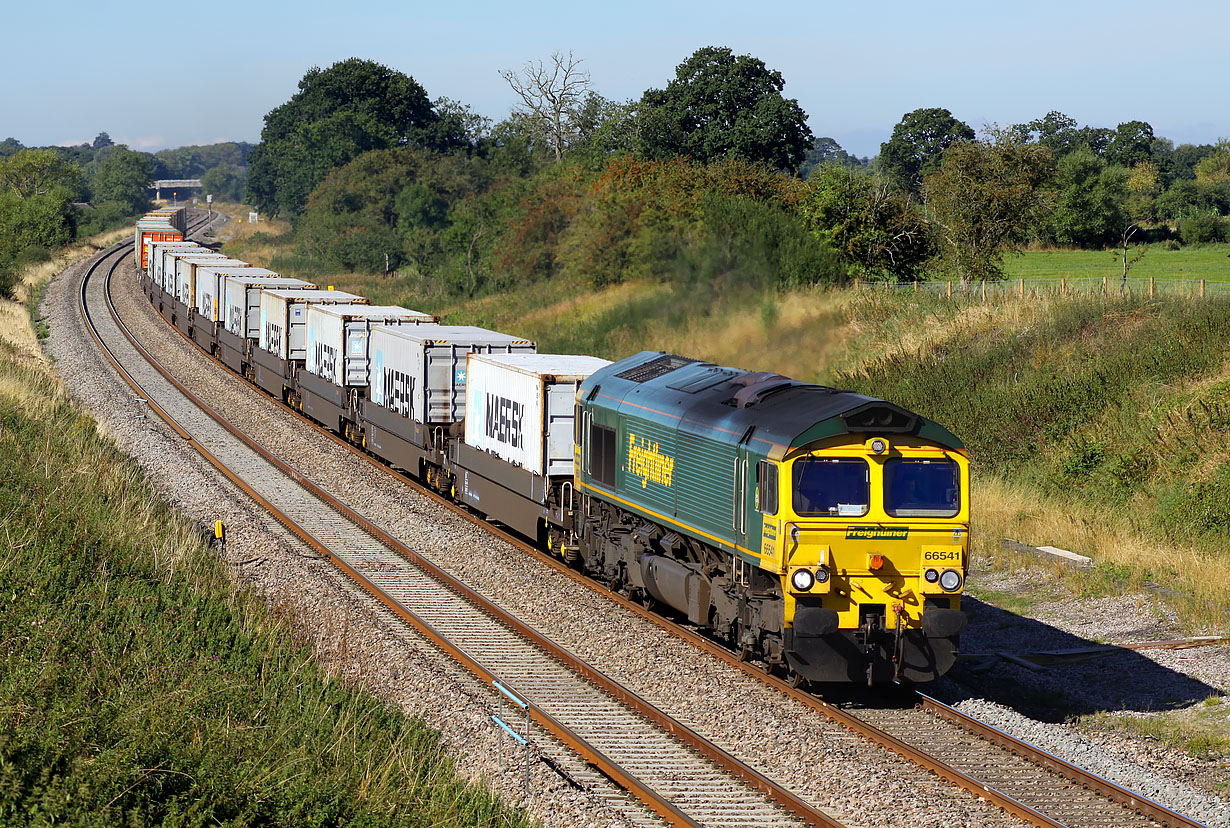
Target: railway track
{"points": [[1027, 782], [676, 773]]}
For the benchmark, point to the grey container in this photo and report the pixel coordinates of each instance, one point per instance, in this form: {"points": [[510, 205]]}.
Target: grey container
{"points": [[243, 301], [420, 371], [338, 337], [283, 323]]}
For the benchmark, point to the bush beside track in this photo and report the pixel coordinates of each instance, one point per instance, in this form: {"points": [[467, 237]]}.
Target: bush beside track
{"points": [[140, 686]]}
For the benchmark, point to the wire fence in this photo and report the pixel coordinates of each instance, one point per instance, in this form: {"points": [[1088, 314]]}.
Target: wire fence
{"points": [[1061, 286]]}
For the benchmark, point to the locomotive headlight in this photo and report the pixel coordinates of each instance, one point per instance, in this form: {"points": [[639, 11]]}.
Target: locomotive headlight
{"points": [[802, 580], [878, 446], [794, 534], [931, 575], [950, 580], [822, 575]]}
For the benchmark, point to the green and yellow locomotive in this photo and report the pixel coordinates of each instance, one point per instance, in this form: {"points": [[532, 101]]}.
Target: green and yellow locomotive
{"points": [[821, 531]]}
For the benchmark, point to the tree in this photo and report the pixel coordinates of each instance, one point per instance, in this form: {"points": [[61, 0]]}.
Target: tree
{"points": [[338, 113], [1214, 168], [982, 199], [225, 181], [551, 98], [1096, 139], [124, 178], [10, 147], [1054, 130], [36, 172], [102, 140], [827, 151], [1089, 196], [917, 144], [875, 228], [1131, 143], [724, 105]]}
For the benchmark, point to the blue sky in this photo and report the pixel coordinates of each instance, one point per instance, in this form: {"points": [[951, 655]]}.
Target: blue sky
{"points": [[175, 74]]}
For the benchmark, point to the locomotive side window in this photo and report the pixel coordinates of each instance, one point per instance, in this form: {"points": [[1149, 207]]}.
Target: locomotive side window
{"points": [[602, 454], [766, 487], [831, 487], [921, 488]]}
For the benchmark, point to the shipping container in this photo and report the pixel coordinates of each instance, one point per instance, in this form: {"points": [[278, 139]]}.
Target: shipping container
{"points": [[283, 321], [338, 337], [155, 251], [152, 230], [243, 301], [519, 407], [211, 285], [185, 274], [166, 270], [420, 371]]}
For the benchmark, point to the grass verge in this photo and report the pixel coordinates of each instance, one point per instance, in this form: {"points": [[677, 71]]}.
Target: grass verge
{"points": [[138, 685]]}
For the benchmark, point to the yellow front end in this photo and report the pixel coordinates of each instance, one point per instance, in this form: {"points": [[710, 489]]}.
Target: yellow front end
{"points": [[877, 532]]}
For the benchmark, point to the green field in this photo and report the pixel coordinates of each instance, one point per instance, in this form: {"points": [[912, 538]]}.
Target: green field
{"points": [[1210, 262]]}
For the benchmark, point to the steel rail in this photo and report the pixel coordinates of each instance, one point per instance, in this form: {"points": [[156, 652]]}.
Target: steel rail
{"points": [[753, 778], [1075, 773], [915, 755]]}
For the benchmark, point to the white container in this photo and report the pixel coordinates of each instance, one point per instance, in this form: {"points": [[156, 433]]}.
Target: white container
{"points": [[156, 249], [165, 274], [338, 338], [211, 285], [419, 371], [520, 407], [283, 321], [185, 274], [243, 300]]}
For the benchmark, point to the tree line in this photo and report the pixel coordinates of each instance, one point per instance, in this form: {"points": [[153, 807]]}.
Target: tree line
{"points": [[713, 176], [50, 196]]}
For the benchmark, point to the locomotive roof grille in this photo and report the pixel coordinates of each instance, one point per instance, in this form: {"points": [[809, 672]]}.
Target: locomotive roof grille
{"points": [[882, 417], [654, 368]]}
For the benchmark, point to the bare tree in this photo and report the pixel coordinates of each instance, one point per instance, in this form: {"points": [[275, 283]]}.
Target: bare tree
{"points": [[1126, 256], [552, 97]]}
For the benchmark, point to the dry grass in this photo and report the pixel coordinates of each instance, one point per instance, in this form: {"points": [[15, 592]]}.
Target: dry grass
{"points": [[29, 375]]}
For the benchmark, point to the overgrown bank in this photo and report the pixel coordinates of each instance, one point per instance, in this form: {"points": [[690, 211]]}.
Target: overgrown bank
{"points": [[139, 686]]}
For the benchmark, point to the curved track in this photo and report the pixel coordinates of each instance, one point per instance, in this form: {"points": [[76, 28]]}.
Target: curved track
{"points": [[680, 775], [1041, 789]]}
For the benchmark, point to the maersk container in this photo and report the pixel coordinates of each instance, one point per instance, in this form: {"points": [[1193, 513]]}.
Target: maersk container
{"points": [[338, 337], [185, 274], [283, 321], [157, 249], [211, 285], [420, 371], [519, 407], [243, 300]]}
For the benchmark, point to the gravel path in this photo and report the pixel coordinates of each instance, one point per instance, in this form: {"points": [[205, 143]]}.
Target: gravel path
{"points": [[856, 782]]}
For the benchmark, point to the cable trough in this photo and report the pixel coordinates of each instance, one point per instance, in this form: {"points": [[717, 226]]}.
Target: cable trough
{"points": [[681, 776]]}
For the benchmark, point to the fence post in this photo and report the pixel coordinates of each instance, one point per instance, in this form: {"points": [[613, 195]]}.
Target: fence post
{"points": [[1022, 288], [1150, 287], [1063, 285], [984, 290], [856, 284], [916, 286], [1202, 288], [1103, 285], [950, 289]]}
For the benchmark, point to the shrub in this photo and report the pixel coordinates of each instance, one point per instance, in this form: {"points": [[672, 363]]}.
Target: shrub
{"points": [[1202, 228]]}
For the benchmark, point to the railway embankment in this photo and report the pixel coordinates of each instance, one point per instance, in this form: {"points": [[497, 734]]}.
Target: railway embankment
{"points": [[140, 681]]}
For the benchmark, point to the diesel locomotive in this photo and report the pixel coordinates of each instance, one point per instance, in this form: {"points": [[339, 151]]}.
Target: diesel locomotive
{"points": [[820, 532]]}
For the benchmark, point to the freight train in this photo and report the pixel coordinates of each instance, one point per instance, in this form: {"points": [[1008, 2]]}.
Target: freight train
{"points": [[821, 532]]}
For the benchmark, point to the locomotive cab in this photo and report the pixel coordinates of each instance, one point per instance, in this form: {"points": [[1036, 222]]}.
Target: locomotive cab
{"points": [[872, 546]]}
